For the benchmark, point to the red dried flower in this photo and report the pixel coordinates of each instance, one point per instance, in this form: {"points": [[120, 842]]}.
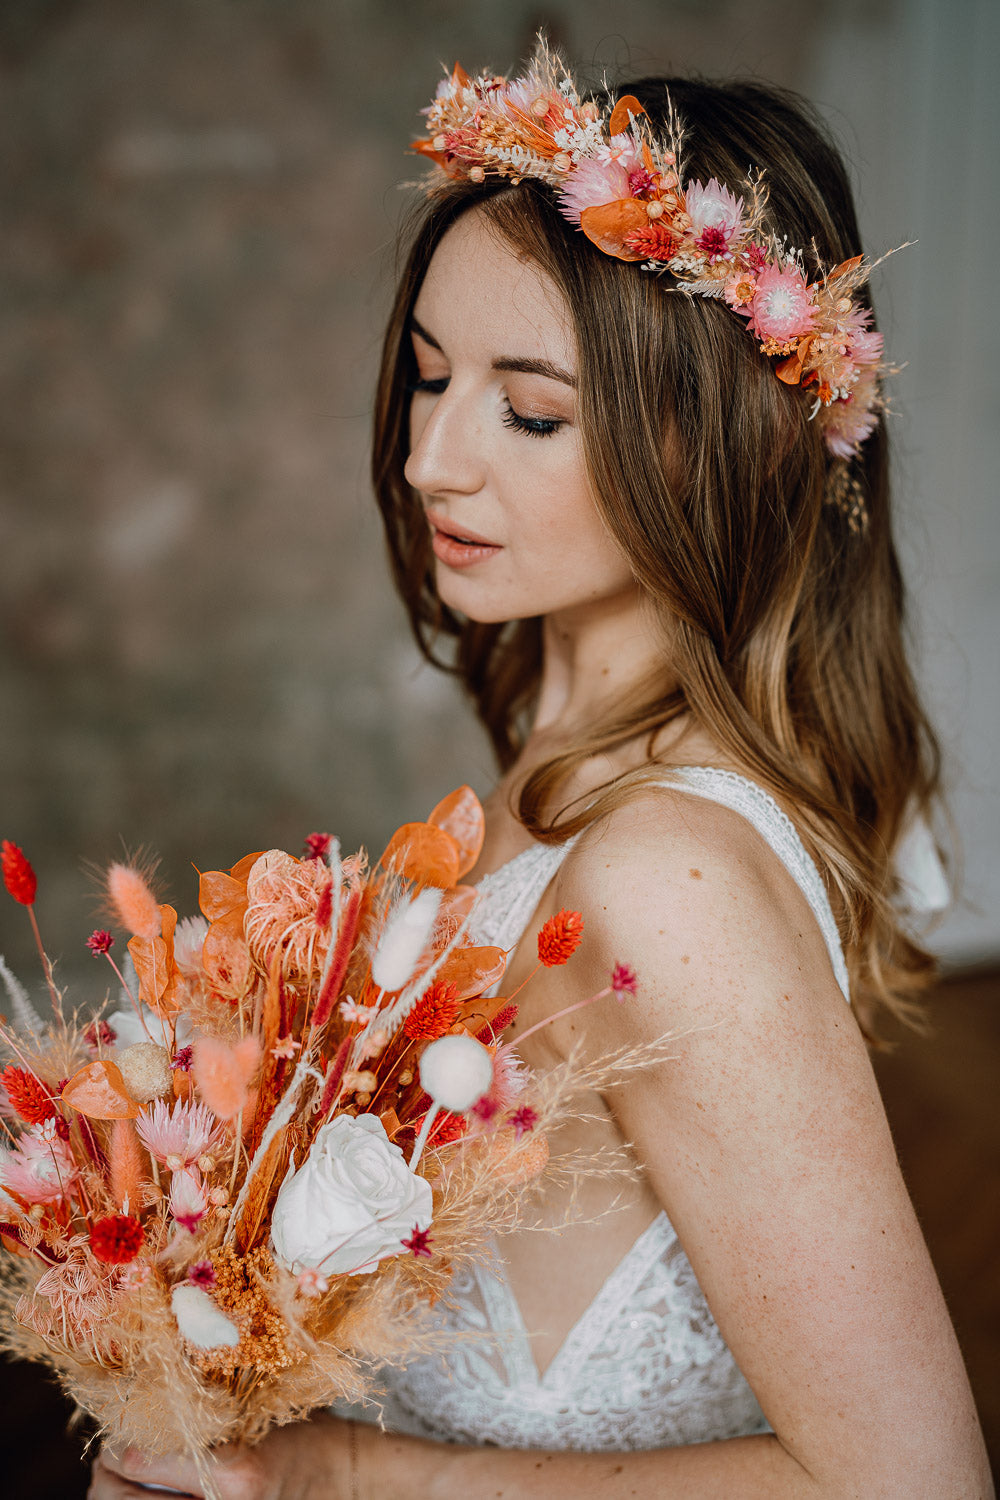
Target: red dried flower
{"points": [[559, 938], [18, 876], [485, 1108], [99, 1034], [446, 1128], [324, 906], [183, 1059], [419, 1242], [623, 980], [434, 1014], [503, 1018], [523, 1120], [28, 1096], [317, 845], [714, 241], [100, 941], [116, 1239], [654, 241]]}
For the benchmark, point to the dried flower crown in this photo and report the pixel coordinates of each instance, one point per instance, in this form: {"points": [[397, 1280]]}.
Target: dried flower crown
{"points": [[626, 192]]}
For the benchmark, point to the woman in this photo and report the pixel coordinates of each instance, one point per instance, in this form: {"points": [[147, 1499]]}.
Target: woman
{"points": [[656, 526]]}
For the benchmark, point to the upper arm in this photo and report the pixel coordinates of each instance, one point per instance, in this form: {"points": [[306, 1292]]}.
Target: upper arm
{"points": [[766, 1142]]}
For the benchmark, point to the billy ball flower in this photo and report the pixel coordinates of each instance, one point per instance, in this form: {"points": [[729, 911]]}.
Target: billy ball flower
{"points": [[559, 938]]}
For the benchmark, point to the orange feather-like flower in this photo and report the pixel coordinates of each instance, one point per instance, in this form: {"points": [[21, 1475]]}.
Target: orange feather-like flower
{"points": [[559, 938]]}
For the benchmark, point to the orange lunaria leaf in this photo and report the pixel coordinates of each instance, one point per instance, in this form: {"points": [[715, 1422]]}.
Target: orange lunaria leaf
{"points": [[223, 1072], [98, 1091], [155, 966], [844, 266], [461, 814], [134, 904], [627, 105], [424, 854], [608, 224], [472, 970]]}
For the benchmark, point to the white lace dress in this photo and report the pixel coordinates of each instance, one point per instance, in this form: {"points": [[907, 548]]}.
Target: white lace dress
{"points": [[645, 1365]]}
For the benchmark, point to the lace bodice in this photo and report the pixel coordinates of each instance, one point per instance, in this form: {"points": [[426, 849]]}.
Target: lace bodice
{"points": [[645, 1365]]}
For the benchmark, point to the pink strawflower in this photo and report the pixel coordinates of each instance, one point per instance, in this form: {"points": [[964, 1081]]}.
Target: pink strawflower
{"points": [[182, 1133], [202, 1273], [593, 182], [740, 289], [188, 1202], [624, 981], [100, 941], [849, 420], [782, 308], [716, 218], [41, 1169], [317, 845]]}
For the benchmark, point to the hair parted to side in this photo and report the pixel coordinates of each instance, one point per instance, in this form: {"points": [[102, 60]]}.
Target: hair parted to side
{"points": [[786, 639]]}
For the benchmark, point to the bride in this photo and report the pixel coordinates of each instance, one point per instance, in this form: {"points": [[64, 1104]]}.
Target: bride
{"points": [[655, 526]]}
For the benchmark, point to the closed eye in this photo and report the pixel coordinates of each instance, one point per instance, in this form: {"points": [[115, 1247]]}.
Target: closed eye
{"points": [[532, 426], [430, 387]]}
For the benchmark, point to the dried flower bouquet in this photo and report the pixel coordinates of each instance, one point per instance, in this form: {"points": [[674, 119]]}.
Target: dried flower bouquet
{"points": [[226, 1203]]}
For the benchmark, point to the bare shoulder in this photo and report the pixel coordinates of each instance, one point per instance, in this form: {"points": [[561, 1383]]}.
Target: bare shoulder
{"points": [[689, 893]]}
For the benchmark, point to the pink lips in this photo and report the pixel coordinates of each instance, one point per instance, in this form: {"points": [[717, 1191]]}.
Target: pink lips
{"points": [[457, 546]]}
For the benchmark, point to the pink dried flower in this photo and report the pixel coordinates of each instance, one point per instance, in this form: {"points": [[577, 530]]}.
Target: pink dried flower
{"points": [[285, 1046], [355, 1014], [317, 845], [740, 289], [184, 1133], [312, 1283], [523, 1120], [100, 941], [594, 182], [133, 901], [782, 307], [623, 981], [183, 1059], [41, 1169], [202, 1273], [716, 217], [188, 1202], [284, 895], [99, 1034], [849, 420], [419, 1243]]}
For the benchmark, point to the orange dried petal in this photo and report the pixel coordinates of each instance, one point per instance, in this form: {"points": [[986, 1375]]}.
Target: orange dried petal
{"points": [[619, 122], [424, 854], [461, 814], [607, 224], [98, 1091], [472, 970]]}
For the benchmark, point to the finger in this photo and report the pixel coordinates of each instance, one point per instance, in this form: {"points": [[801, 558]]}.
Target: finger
{"points": [[150, 1473]]}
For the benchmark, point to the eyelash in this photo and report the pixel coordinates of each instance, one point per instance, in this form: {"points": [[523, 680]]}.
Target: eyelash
{"points": [[530, 426]]}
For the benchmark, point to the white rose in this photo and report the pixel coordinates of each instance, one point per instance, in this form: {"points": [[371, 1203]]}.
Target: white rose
{"points": [[351, 1203]]}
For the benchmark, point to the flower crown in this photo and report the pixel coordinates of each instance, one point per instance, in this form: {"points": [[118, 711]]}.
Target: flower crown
{"points": [[627, 193]]}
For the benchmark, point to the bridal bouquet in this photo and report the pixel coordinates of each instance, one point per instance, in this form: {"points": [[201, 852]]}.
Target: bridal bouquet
{"points": [[227, 1201]]}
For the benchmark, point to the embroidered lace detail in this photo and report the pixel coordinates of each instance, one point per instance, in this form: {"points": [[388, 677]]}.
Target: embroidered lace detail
{"points": [[645, 1366]]}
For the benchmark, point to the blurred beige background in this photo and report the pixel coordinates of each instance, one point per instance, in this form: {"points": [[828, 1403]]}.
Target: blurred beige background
{"points": [[200, 651]]}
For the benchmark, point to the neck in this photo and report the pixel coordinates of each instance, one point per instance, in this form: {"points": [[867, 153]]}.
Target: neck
{"points": [[592, 657]]}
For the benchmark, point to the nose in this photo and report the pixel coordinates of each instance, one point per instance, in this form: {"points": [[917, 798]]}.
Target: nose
{"points": [[446, 448]]}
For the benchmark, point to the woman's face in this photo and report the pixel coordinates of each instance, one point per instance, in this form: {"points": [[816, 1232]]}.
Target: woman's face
{"points": [[495, 449]]}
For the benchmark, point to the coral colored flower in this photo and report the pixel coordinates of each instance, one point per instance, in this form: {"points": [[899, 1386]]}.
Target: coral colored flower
{"points": [[782, 307], [624, 981], [559, 938], [117, 1239], [30, 1098], [740, 289], [188, 1202], [100, 941], [523, 1120], [185, 1132], [283, 895], [434, 1014], [286, 1047], [419, 1242], [202, 1273], [42, 1168], [18, 876], [317, 845], [655, 242]]}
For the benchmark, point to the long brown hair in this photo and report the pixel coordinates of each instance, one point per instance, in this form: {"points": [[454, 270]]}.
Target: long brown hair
{"points": [[787, 618]]}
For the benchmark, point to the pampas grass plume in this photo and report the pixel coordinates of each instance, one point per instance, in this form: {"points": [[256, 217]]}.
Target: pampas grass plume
{"points": [[222, 1073], [133, 902]]}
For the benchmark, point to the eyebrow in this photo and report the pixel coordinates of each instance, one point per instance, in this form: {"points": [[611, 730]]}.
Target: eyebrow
{"points": [[510, 363]]}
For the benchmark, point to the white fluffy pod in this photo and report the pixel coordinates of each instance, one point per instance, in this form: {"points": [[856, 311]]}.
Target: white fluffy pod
{"points": [[200, 1319], [456, 1071], [404, 940]]}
